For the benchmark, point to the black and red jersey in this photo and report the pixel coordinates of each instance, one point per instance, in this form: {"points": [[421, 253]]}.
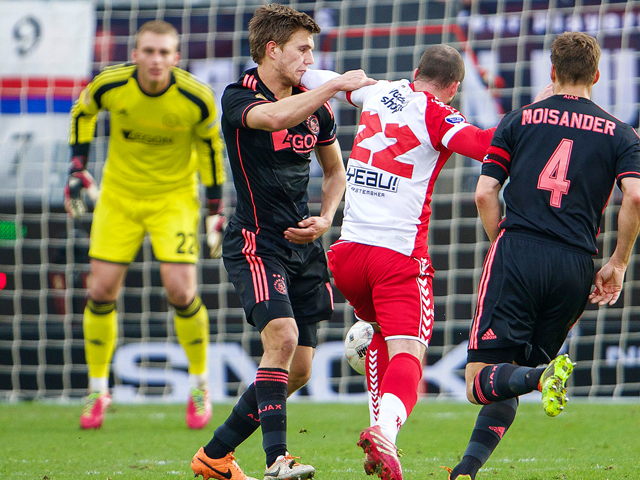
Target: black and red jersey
{"points": [[270, 169], [562, 156]]}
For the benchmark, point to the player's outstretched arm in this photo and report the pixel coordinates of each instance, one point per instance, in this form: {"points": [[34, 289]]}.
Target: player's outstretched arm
{"points": [[471, 141], [488, 203], [291, 111], [609, 280], [316, 78], [333, 186]]}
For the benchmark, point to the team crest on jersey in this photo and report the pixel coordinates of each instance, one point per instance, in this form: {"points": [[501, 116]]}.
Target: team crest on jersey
{"points": [[170, 120], [313, 124], [279, 284], [454, 119]]}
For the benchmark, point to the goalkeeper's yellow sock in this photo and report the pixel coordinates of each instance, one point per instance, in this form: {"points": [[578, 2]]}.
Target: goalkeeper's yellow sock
{"points": [[100, 326], [192, 329]]}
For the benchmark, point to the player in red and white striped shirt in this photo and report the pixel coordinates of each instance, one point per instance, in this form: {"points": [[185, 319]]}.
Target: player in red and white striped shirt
{"points": [[381, 263]]}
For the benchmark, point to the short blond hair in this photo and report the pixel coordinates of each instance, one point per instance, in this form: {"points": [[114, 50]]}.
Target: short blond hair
{"points": [[159, 27]]}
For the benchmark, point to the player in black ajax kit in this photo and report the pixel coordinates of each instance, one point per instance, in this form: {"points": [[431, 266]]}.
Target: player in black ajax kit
{"points": [[271, 247], [563, 156]]}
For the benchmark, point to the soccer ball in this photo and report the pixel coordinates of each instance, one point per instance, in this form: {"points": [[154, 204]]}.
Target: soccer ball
{"points": [[356, 344]]}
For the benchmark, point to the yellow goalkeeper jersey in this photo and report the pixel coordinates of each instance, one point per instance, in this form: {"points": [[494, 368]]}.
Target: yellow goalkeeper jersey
{"points": [[157, 143]]}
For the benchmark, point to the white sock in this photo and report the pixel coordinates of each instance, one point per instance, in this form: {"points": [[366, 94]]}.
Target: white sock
{"points": [[198, 381], [392, 416], [100, 385]]}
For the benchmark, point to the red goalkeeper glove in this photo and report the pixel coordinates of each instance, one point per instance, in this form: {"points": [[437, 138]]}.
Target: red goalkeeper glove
{"points": [[215, 225], [79, 183]]}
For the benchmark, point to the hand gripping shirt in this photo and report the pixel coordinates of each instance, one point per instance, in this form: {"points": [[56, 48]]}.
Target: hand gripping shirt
{"points": [[398, 152], [156, 142], [270, 169]]}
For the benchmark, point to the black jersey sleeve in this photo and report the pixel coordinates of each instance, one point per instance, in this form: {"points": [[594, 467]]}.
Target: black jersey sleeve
{"points": [[628, 164], [237, 101], [497, 160], [327, 134]]}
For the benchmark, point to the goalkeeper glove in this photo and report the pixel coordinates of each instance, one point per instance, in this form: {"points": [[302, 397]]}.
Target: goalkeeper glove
{"points": [[215, 225], [79, 179]]}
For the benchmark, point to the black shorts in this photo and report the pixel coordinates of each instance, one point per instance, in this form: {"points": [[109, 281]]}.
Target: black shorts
{"points": [[532, 292], [274, 281]]}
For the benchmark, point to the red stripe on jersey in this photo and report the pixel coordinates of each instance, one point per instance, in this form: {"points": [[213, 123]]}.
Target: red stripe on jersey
{"points": [[637, 174], [328, 141], [249, 81], [493, 150], [328, 107], [246, 110], [258, 274], [328, 285], [349, 99], [489, 160], [246, 178], [420, 248], [482, 292]]}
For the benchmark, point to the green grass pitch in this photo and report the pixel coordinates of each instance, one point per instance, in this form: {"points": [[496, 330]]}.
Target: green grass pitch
{"points": [[588, 441]]}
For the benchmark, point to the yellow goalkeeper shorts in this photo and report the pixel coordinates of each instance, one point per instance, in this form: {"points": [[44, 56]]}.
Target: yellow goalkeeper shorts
{"points": [[121, 222]]}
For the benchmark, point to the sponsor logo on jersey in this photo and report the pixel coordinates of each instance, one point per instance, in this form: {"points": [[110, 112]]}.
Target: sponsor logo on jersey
{"points": [[454, 119], [313, 124], [283, 140], [394, 101], [374, 179], [145, 138]]}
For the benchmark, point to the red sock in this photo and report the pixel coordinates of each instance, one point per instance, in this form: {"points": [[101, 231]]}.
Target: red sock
{"points": [[377, 363], [402, 378]]}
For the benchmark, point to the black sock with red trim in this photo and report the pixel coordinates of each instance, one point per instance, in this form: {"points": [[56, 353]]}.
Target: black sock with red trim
{"points": [[271, 395], [495, 383]]}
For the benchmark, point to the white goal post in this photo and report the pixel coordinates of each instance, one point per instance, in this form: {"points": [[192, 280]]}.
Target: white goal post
{"points": [[43, 253]]}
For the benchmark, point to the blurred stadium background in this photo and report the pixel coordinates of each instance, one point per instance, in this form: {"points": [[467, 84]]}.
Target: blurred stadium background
{"points": [[50, 49]]}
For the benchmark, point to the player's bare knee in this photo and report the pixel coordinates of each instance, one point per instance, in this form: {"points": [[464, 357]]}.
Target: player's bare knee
{"points": [[298, 379], [101, 292], [180, 299]]}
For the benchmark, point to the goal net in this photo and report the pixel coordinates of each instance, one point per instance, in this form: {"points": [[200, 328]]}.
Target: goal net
{"points": [[43, 252]]}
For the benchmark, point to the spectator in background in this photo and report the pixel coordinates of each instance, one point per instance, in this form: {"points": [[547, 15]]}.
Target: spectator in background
{"points": [[163, 132]]}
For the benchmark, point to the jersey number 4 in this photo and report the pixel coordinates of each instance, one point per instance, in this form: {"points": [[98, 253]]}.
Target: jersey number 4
{"points": [[554, 174], [385, 159]]}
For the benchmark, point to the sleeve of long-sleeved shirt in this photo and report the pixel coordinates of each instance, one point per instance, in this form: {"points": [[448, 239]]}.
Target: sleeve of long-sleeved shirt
{"points": [[84, 112], [84, 115], [209, 146]]}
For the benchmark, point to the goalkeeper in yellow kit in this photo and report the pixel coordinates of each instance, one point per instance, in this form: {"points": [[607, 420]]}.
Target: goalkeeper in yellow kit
{"points": [[163, 135]]}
